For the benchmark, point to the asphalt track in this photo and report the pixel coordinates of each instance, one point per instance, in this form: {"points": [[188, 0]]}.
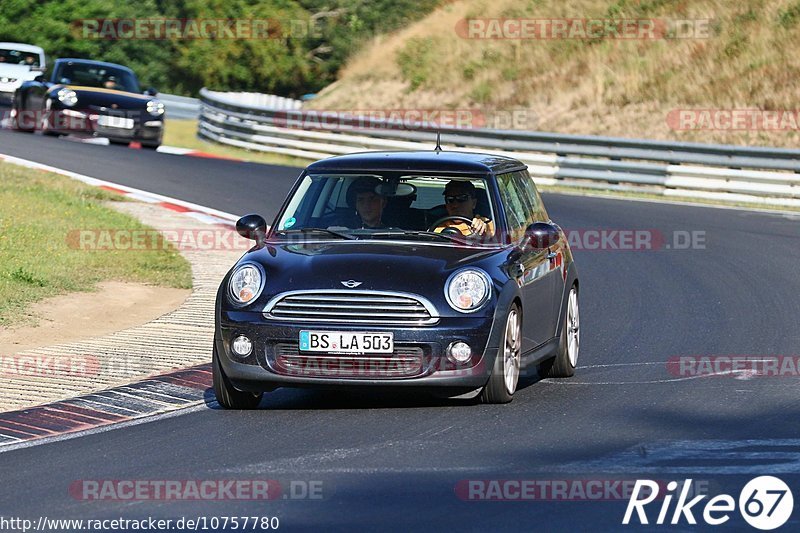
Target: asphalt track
{"points": [[398, 462]]}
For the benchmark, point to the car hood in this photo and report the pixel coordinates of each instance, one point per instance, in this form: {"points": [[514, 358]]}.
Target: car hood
{"points": [[388, 266], [19, 72], [107, 98]]}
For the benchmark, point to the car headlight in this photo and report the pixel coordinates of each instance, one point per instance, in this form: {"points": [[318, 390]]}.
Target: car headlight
{"points": [[468, 289], [155, 107], [68, 97], [7, 80], [246, 284]]}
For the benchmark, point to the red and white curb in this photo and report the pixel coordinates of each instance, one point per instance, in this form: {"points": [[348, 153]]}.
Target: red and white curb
{"points": [[174, 150], [111, 407], [201, 213]]}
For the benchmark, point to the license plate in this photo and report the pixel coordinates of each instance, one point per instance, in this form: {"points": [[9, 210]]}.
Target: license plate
{"points": [[115, 122], [346, 342]]}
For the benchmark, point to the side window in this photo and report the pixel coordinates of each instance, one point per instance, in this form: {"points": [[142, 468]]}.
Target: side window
{"points": [[531, 195], [513, 206]]}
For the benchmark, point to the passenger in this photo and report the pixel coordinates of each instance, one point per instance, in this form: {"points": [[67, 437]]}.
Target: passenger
{"points": [[368, 203], [461, 197]]}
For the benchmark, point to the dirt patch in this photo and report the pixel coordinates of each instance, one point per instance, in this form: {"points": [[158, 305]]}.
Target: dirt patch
{"points": [[78, 316]]}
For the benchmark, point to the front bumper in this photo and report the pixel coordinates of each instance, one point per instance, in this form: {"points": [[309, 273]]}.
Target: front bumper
{"points": [[85, 123], [264, 370]]}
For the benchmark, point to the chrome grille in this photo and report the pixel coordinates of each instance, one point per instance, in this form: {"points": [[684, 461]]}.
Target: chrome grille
{"points": [[352, 307], [406, 361]]}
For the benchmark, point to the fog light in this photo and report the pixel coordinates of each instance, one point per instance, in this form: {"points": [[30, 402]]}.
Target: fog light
{"points": [[242, 346], [459, 352]]}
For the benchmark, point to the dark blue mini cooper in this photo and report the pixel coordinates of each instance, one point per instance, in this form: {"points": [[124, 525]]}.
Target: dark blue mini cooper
{"points": [[439, 271]]}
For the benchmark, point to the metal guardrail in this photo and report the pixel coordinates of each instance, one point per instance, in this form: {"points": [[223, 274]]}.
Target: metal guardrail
{"points": [[180, 107], [723, 172]]}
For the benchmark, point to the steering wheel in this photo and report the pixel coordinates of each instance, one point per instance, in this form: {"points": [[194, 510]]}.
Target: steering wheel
{"points": [[452, 230]]}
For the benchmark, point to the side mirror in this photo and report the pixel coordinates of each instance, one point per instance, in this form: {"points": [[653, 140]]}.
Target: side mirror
{"points": [[541, 235], [252, 226], [39, 79], [151, 92]]}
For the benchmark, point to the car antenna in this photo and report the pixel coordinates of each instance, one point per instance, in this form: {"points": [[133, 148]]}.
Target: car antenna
{"points": [[438, 143]]}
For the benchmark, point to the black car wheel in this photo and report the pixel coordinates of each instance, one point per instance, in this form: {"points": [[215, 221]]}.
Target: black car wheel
{"points": [[227, 395], [505, 374], [563, 365], [18, 121]]}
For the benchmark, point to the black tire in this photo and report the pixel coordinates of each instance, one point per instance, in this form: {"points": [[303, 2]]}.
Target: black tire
{"points": [[562, 366], [227, 395], [496, 390], [15, 125], [153, 147]]}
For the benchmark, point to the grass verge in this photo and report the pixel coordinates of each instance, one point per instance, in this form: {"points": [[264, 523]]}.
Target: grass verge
{"points": [[37, 260], [183, 133]]}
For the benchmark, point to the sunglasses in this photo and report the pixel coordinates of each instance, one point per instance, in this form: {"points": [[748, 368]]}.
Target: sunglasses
{"points": [[460, 198]]}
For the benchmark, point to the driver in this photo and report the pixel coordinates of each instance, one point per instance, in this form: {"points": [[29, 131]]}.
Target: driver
{"points": [[110, 82], [368, 203], [460, 199]]}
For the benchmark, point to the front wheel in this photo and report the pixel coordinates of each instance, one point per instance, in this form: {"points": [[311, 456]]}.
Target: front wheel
{"points": [[564, 363], [19, 121], [227, 395], [505, 374]]}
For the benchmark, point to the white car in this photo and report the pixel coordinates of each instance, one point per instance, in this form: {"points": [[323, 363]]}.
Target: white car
{"points": [[18, 63]]}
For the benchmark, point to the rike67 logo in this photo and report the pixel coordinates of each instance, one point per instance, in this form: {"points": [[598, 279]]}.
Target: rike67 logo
{"points": [[765, 503]]}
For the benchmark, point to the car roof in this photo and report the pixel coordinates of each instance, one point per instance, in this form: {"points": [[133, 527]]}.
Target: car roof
{"points": [[93, 62], [433, 161], [22, 47]]}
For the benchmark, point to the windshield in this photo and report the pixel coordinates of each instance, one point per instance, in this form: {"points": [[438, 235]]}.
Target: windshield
{"points": [[390, 206], [18, 57], [94, 75]]}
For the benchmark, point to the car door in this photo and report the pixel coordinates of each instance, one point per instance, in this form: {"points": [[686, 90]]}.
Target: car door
{"points": [[555, 276], [530, 266]]}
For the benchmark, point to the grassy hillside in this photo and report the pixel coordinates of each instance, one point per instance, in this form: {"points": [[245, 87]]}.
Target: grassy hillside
{"points": [[601, 86]]}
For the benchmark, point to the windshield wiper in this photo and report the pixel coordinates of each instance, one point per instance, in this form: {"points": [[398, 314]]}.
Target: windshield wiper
{"points": [[318, 230], [451, 238]]}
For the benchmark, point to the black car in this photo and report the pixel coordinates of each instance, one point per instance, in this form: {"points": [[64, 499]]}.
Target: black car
{"points": [[90, 98], [461, 281]]}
